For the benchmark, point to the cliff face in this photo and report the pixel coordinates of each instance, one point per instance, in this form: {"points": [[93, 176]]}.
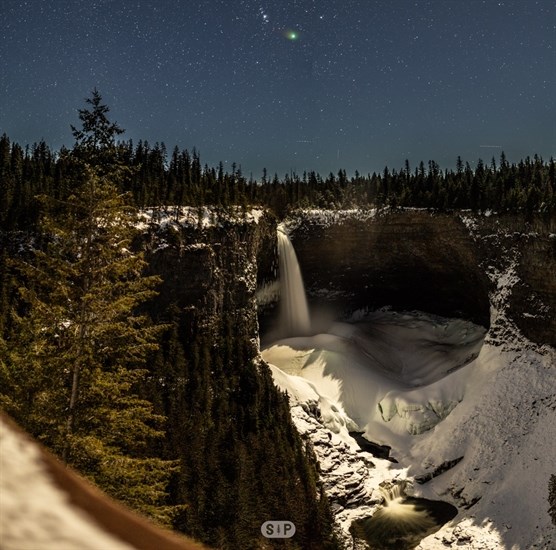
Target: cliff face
{"points": [[499, 271], [409, 260], [445, 264], [211, 271], [228, 425], [525, 252], [534, 297]]}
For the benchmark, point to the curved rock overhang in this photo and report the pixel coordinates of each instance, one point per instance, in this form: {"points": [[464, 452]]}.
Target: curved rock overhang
{"points": [[406, 260]]}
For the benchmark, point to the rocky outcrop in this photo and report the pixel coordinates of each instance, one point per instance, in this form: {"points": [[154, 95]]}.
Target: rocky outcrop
{"points": [[345, 473], [525, 251], [440, 469]]}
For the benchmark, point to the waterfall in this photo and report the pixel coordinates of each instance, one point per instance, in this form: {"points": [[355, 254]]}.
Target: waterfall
{"points": [[403, 521], [294, 313], [393, 491]]}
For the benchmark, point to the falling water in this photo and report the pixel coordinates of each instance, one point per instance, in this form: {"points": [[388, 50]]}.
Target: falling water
{"points": [[294, 313], [408, 517], [403, 521]]}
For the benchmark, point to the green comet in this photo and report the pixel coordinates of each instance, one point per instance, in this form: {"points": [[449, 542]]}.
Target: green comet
{"points": [[291, 35]]}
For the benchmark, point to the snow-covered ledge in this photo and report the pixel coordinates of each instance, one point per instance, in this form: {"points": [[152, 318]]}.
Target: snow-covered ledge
{"points": [[44, 506]]}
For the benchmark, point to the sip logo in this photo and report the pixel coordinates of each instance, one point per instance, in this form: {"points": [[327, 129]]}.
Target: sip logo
{"points": [[278, 529]]}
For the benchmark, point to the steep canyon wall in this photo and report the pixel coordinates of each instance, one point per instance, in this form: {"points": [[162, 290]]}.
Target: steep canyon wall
{"points": [[241, 460], [447, 264]]}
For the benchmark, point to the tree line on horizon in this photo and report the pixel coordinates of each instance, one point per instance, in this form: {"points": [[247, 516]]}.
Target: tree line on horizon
{"points": [[157, 179]]}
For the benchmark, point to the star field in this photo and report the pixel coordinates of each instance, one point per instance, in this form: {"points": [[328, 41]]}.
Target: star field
{"points": [[290, 85]]}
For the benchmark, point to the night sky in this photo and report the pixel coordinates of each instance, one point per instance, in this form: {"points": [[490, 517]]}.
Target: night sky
{"points": [[289, 85]]}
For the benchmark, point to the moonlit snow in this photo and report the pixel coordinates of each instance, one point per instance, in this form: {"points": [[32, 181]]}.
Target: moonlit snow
{"points": [[393, 375], [470, 411]]}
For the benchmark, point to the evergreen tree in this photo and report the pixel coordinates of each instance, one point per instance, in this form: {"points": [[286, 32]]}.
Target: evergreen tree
{"points": [[96, 139], [72, 371]]}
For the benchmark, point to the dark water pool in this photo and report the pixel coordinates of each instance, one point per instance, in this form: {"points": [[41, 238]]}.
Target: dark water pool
{"points": [[402, 523]]}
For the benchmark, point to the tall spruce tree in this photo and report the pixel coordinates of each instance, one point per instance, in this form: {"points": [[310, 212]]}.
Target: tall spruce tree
{"points": [[72, 371], [96, 139]]}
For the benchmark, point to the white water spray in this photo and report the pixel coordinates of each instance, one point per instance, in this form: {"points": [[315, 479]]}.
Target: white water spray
{"points": [[294, 312], [399, 524], [408, 518]]}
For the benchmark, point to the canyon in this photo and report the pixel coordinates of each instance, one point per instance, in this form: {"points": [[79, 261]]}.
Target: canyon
{"points": [[473, 296], [490, 270], [495, 271]]}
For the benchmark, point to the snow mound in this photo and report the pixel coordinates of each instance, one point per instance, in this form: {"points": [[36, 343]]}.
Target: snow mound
{"points": [[395, 374], [36, 513]]}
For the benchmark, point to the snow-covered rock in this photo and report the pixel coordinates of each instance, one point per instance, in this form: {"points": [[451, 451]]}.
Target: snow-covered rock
{"points": [[491, 423], [476, 427]]}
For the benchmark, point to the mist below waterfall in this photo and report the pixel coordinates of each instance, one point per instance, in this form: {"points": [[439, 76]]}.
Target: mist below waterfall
{"points": [[391, 376], [402, 521]]}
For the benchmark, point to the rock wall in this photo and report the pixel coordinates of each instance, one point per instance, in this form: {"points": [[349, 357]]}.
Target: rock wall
{"points": [[228, 426], [212, 270], [525, 251], [407, 260], [439, 263]]}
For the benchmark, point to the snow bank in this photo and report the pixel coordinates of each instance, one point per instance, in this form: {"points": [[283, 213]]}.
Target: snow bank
{"points": [[36, 513]]}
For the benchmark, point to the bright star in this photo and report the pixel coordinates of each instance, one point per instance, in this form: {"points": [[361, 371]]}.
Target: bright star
{"points": [[264, 16]]}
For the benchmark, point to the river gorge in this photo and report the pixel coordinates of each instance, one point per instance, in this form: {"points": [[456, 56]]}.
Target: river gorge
{"points": [[455, 314]]}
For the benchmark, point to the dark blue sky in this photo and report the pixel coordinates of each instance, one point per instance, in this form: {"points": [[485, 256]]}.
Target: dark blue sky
{"points": [[285, 84]]}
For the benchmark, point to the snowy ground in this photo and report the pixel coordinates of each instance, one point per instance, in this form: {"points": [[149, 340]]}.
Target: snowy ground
{"points": [[35, 513], [497, 412], [326, 218], [190, 216]]}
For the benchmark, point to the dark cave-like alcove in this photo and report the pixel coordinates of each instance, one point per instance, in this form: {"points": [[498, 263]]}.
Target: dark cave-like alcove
{"points": [[407, 260]]}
